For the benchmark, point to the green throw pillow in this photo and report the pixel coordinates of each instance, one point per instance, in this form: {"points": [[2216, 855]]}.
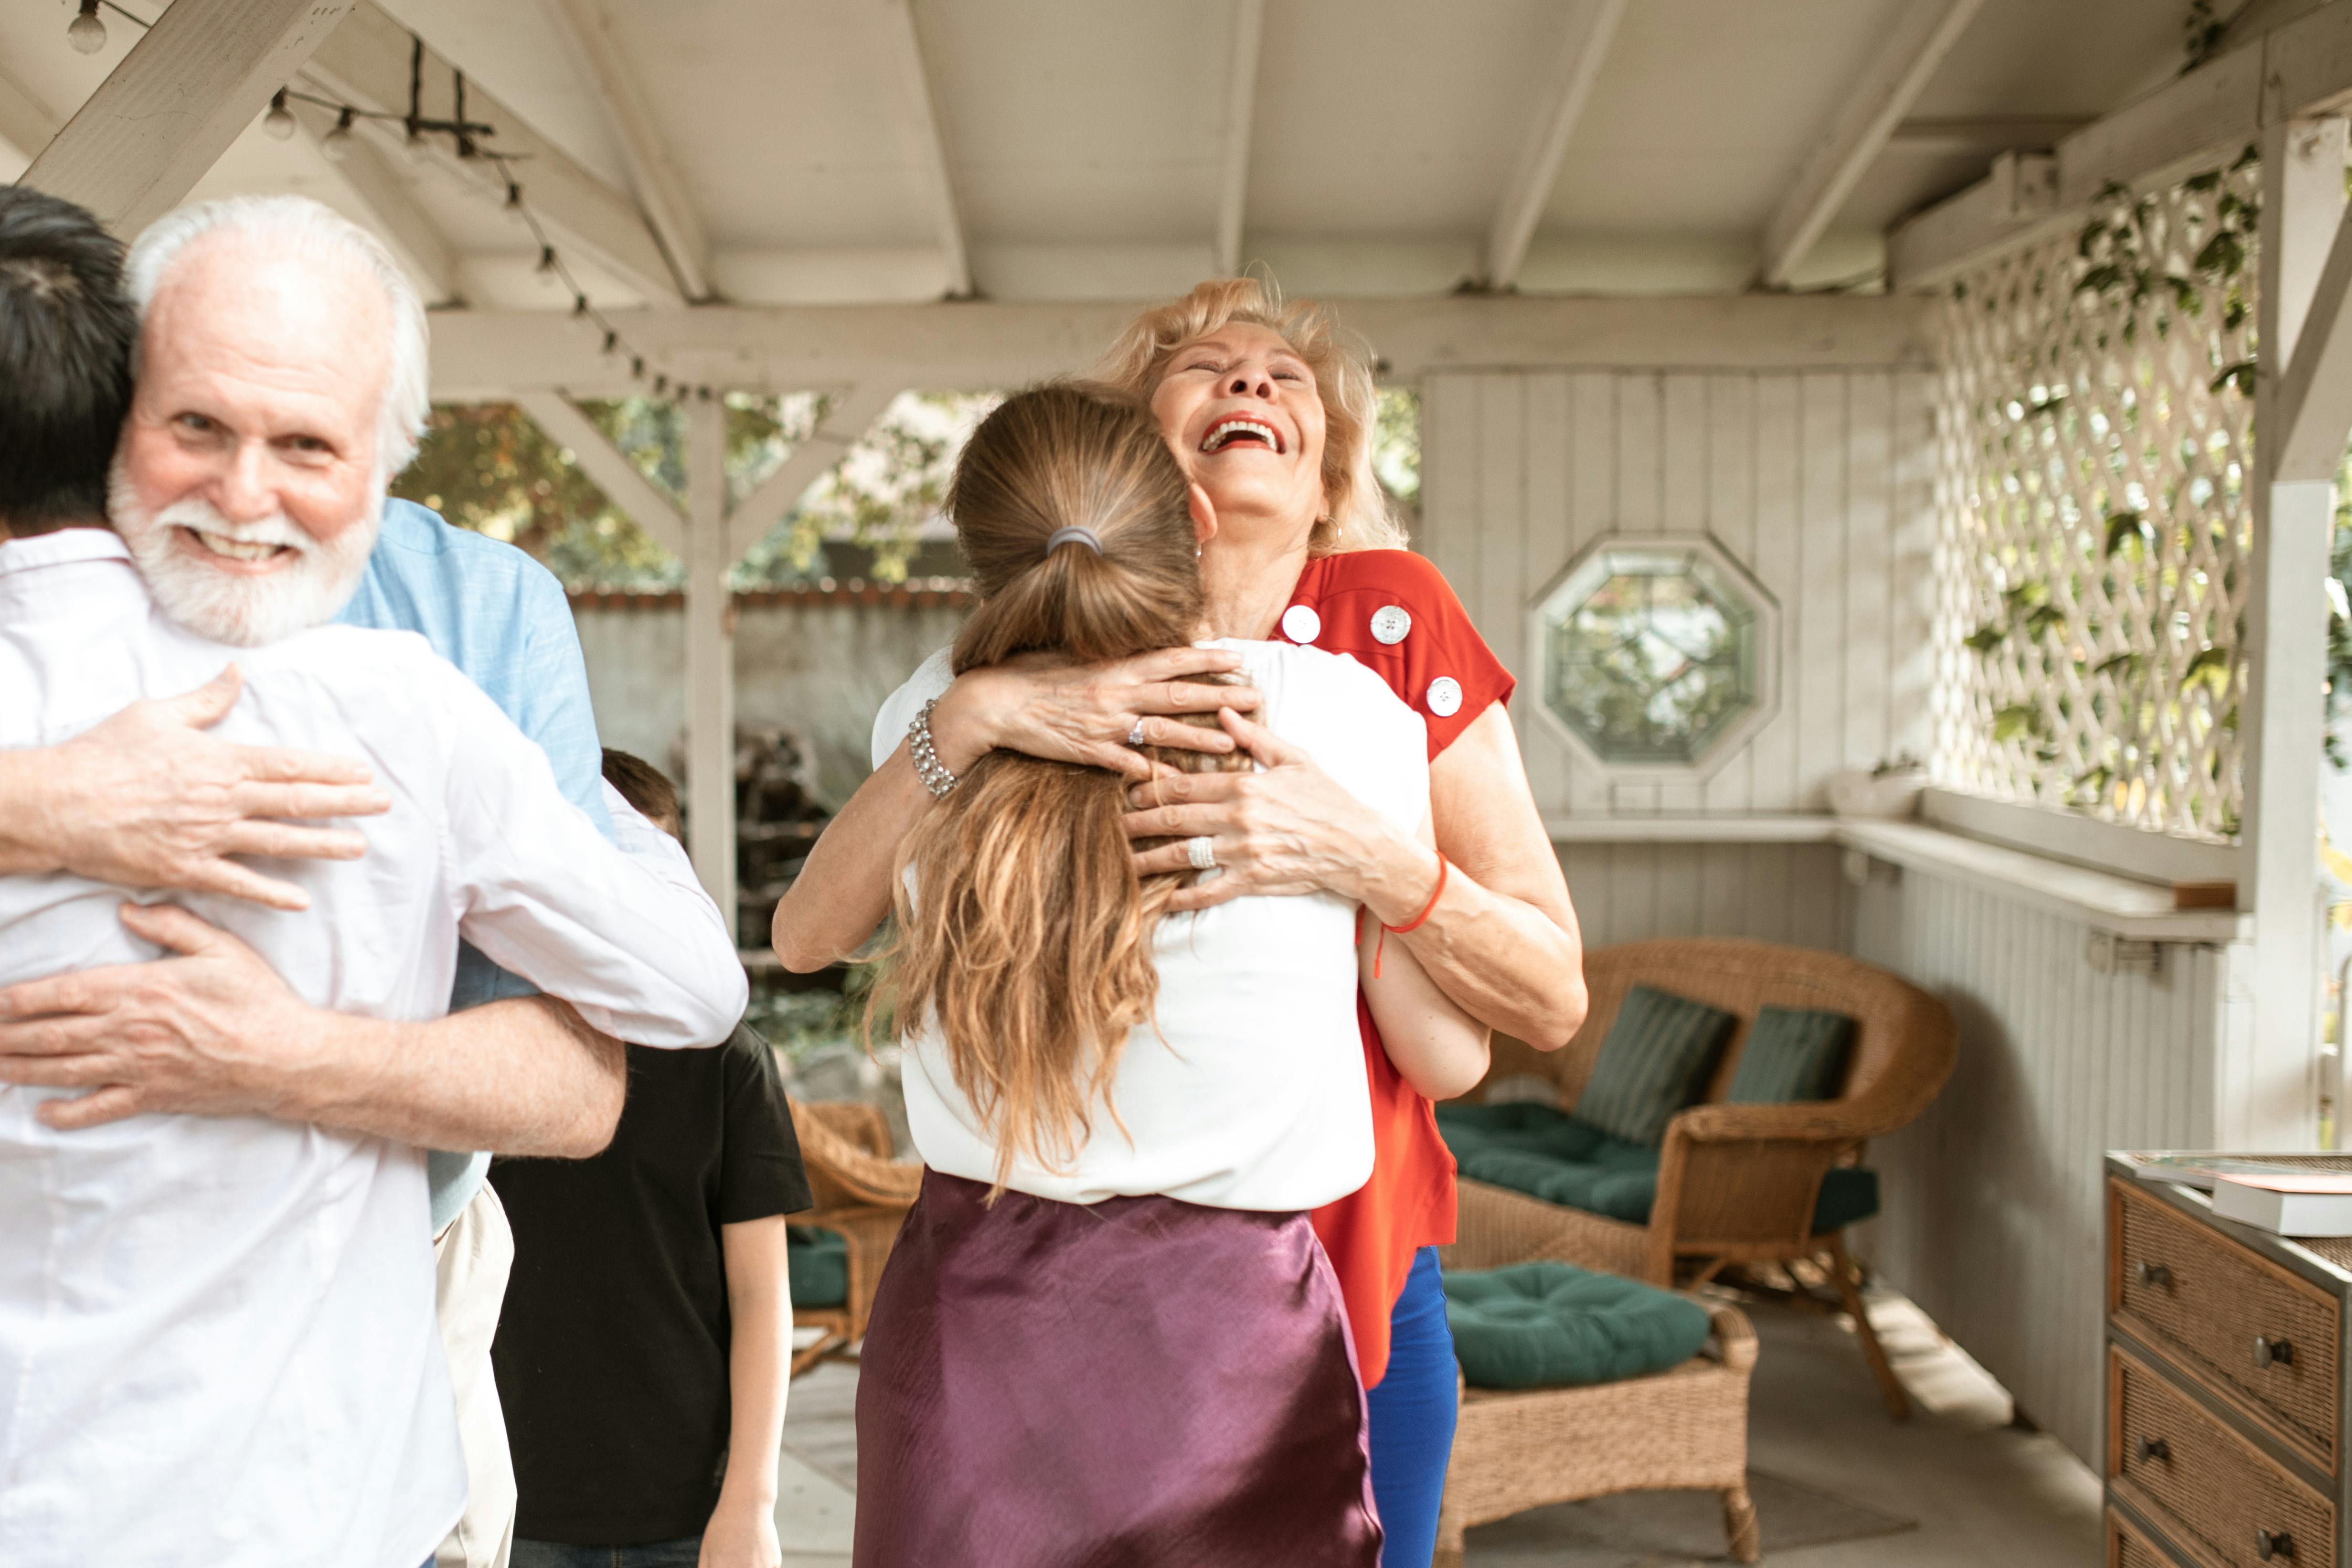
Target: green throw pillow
{"points": [[1549, 1325], [1792, 1054], [1654, 1064], [816, 1265]]}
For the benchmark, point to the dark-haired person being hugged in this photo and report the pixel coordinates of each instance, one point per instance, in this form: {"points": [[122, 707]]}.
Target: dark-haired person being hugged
{"points": [[1107, 1333]]}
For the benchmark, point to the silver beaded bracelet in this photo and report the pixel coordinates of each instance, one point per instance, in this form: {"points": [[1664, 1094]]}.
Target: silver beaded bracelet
{"points": [[928, 766]]}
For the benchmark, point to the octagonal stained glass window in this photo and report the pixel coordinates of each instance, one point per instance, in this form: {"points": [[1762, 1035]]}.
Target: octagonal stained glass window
{"points": [[1656, 654]]}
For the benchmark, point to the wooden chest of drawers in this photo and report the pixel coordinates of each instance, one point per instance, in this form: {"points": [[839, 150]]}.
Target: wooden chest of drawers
{"points": [[2226, 1362]]}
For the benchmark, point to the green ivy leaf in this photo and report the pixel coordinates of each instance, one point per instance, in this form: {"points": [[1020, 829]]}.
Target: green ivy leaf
{"points": [[2099, 279], [2128, 525], [2241, 375], [2121, 664], [2044, 618], [1986, 637], [2204, 182], [2210, 665], [2016, 719]]}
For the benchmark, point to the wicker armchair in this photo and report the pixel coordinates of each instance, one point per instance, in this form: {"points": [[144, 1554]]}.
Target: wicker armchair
{"points": [[1737, 1183], [863, 1196], [1681, 1429]]}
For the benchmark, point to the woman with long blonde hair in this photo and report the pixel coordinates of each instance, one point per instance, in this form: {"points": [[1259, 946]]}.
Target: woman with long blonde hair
{"points": [[1305, 550], [1107, 1333]]}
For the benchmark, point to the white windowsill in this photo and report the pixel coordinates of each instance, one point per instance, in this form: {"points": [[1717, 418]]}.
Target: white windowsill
{"points": [[2123, 905]]}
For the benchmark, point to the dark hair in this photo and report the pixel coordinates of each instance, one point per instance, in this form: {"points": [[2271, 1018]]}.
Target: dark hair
{"points": [[643, 786], [67, 329]]}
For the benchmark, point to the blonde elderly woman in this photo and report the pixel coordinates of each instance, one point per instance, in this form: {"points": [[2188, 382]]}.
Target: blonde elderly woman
{"points": [[1269, 406]]}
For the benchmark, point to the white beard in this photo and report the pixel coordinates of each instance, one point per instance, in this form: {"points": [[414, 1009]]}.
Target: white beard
{"points": [[227, 606]]}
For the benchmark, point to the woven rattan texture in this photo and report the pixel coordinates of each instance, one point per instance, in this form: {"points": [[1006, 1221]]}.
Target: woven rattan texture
{"points": [[2208, 1485], [2127, 1549], [1687, 1427], [2217, 1297], [2095, 515], [861, 1195]]}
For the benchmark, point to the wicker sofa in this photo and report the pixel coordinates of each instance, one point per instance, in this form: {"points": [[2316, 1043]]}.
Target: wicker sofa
{"points": [[1737, 1183], [1684, 1429], [863, 1196]]}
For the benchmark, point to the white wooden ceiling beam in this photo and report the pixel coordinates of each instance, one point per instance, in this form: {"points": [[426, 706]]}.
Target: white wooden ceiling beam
{"points": [[622, 482], [2300, 68], [919, 110], [852, 415], [1591, 24], [366, 61], [660, 189], [2313, 408], [1881, 96], [485, 354], [187, 88], [416, 238], [25, 122], [1241, 104]]}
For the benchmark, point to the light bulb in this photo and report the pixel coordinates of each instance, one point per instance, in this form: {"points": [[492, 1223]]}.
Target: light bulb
{"points": [[85, 33], [279, 121], [337, 143]]}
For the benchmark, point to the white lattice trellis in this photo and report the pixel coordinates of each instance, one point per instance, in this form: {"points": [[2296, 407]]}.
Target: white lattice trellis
{"points": [[2095, 429]]}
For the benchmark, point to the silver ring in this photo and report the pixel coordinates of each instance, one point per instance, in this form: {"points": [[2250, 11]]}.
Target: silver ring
{"points": [[1135, 736], [1201, 852]]}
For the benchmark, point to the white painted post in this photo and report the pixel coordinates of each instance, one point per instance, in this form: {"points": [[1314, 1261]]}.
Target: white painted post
{"points": [[709, 658], [2268, 1095]]}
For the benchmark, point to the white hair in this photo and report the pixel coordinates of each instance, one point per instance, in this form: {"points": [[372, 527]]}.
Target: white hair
{"points": [[302, 226]]}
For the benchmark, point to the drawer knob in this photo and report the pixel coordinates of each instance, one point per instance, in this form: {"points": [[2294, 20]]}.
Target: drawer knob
{"points": [[2154, 1448], [2270, 1543], [2152, 1274], [2269, 1352]]}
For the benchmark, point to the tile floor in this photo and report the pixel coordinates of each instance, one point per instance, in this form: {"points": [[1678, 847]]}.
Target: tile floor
{"points": [[1982, 1490]]}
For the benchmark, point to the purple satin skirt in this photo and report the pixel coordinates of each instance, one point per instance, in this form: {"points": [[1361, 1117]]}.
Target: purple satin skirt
{"points": [[1135, 1383]]}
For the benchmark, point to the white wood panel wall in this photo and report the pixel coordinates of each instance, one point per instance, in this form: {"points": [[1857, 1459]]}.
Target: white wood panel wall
{"points": [[1820, 482], [1770, 892], [1993, 1213]]}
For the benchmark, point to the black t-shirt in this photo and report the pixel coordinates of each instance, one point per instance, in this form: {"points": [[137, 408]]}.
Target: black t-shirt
{"points": [[612, 1348]]}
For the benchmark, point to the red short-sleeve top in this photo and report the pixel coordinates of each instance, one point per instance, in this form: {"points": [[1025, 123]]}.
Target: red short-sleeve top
{"points": [[1394, 613]]}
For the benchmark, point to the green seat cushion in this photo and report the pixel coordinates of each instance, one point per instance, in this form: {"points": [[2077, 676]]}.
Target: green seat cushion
{"points": [[1549, 1325], [1653, 1063], [816, 1263], [1792, 1054], [1536, 1149]]}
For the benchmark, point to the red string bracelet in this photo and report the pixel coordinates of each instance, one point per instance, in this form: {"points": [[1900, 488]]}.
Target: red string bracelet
{"points": [[1414, 924]]}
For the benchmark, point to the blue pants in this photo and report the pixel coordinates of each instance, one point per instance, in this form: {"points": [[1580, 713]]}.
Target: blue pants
{"points": [[1412, 1410]]}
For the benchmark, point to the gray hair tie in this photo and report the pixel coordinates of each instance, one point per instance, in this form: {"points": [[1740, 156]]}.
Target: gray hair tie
{"points": [[1062, 536]]}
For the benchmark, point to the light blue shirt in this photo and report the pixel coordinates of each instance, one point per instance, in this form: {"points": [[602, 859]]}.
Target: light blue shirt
{"points": [[503, 619]]}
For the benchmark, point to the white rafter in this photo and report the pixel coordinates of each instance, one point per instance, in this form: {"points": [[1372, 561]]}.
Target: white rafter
{"points": [[25, 122], [1884, 94], [1591, 26], [851, 416], [366, 63], [623, 484], [188, 88], [922, 117], [415, 237], [660, 190], [1241, 101]]}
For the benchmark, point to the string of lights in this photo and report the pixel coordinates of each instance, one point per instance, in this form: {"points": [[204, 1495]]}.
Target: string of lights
{"points": [[87, 34]]}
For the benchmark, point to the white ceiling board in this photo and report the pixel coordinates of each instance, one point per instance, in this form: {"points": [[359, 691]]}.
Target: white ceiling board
{"points": [[1391, 118], [782, 117], [515, 50], [1707, 109], [2030, 57], [1071, 121]]}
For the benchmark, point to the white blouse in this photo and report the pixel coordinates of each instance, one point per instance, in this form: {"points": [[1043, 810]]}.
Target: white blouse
{"points": [[1250, 1092]]}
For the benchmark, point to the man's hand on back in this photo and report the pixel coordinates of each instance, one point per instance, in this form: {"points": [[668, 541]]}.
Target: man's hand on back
{"points": [[210, 1032], [148, 800]]}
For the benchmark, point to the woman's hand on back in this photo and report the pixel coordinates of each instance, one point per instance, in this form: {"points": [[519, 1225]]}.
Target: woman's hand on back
{"points": [[1043, 705], [1289, 829]]}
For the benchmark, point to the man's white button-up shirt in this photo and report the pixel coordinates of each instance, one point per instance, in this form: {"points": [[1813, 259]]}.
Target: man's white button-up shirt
{"points": [[216, 1334]]}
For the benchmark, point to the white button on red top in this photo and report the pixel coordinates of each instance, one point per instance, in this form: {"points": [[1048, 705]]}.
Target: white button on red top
{"points": [[1446, 697], [1300, 624], [1391, 623]]}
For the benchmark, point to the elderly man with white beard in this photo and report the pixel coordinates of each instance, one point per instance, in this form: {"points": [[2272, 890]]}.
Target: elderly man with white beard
{"points": [[283, 379]]}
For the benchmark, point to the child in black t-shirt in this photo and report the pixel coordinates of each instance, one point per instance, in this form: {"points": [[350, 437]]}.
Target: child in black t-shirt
{"points": [[643, 1351]]}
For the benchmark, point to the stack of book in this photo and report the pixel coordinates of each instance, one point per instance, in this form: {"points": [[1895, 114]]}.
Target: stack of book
{"points": [[2284, 1198]]}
